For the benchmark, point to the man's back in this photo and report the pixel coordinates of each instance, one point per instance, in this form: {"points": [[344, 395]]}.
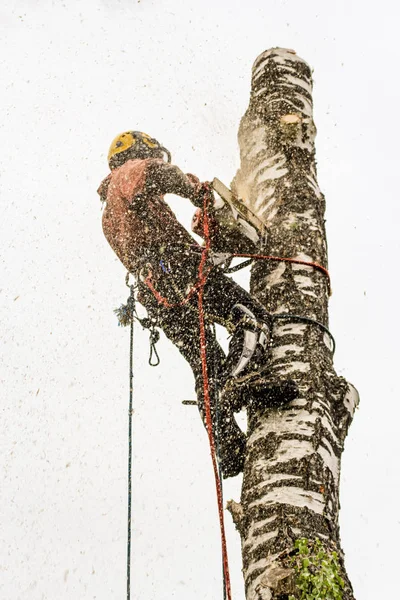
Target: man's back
{"points": [[136, 219]]}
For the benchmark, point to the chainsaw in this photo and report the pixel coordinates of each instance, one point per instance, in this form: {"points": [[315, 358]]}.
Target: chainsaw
{"points": [[233, 226]]}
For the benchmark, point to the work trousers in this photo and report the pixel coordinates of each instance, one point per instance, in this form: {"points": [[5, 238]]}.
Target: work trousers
{"points": [[173, 276]]}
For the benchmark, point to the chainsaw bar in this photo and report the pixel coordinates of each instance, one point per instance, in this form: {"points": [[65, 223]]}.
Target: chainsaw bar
{"points": [[239, 209]]}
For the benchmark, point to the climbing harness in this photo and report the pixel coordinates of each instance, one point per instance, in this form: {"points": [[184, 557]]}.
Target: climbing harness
{"points": [[210, 318], [165, 302]]}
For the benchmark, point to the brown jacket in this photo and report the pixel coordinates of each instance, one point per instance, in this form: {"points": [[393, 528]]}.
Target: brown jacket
{"points": [[137, 222]]}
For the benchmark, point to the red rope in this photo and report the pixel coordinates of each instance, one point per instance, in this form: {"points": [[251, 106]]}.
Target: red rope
{"points": [[295, 261], [164, 301], [206, 391]]}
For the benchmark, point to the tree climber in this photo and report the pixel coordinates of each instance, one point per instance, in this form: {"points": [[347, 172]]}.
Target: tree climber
{"points": [[153, 246]]}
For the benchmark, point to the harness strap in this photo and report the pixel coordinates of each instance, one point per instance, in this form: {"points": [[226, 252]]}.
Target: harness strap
{"points": [[164, 301]]}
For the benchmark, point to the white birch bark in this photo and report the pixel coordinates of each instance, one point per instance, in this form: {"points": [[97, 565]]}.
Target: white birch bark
{"points": [[291, 477]]}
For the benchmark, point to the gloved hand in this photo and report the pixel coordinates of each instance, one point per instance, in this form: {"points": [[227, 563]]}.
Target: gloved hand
{"points": [[198, 190], [197, 224], [193, 179]]}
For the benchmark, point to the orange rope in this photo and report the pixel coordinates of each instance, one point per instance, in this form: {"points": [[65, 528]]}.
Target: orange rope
{"points": [[162, 300], [206, 392], [295, 261]]}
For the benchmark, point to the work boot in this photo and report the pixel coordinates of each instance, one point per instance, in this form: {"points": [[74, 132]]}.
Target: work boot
{"points": [[231, 447], [258, 390]]}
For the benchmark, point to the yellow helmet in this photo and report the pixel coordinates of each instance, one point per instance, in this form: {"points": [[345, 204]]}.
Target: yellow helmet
{"points": [[134, 144]]}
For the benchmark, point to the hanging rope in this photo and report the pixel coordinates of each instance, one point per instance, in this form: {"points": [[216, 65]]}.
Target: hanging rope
{"points": [[131, 302], [126, 316], [206, 391]]}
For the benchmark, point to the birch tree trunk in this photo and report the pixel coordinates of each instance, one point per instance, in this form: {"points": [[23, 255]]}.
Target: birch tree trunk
{"points": [[291, 476]]}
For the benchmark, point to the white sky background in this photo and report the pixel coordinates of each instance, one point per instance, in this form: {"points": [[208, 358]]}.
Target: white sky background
{"points": [[74, 75]]}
